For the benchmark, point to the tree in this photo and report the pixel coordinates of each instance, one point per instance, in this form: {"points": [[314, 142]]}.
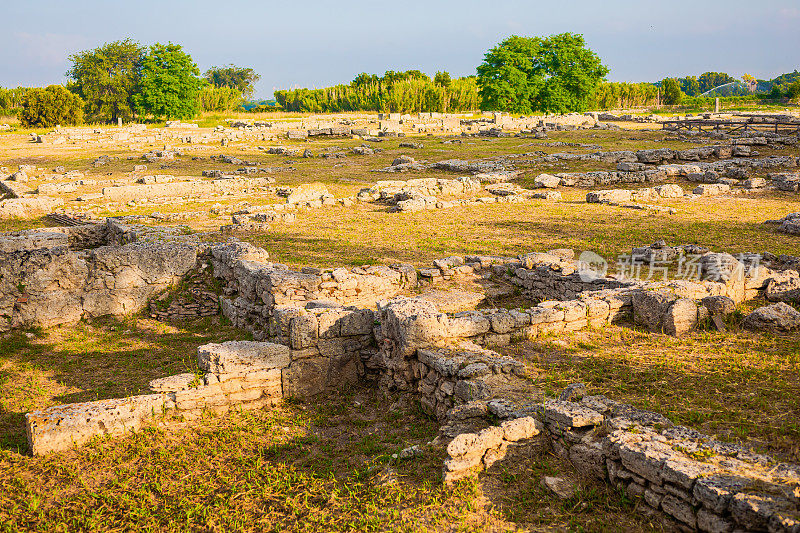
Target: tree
{"points": [[709, 80], [794, 90], [672, 91], [52, 106], [553, 74], [169, 83], [690, 85], [107, 78], [239, 78], [442, 79]]}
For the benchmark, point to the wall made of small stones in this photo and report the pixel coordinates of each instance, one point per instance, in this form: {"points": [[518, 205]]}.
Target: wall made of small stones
{"points": [[255, 288]]}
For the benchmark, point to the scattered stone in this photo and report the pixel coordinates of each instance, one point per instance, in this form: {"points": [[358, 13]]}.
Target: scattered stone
{"points": [[559, 486], [776, 317]]}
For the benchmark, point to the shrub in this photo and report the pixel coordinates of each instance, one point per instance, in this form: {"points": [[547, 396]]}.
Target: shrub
{"points": [[54, 105]]}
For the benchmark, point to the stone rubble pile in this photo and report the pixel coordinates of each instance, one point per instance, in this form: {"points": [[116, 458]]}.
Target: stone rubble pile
{"points": [[789, 224]]}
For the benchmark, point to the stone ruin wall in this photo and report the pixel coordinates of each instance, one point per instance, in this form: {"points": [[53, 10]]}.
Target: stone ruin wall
{"points": [[443, 359], [60, 275]]}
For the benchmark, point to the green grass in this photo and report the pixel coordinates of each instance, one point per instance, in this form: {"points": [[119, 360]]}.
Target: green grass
{"points": [[108, 358], [738, 385]]}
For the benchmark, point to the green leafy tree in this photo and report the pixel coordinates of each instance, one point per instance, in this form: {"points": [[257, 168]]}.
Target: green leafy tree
{"points": [[239, 78], [107, 79], [709, 80], [170, 83], [794, 90], [553, 74], [52, 106], [508, 79], [690, 85], [672, 91], [442, 79]]}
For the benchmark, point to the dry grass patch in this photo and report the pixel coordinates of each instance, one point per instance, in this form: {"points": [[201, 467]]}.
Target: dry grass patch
{"points": [[738, 385], [107, 358]]}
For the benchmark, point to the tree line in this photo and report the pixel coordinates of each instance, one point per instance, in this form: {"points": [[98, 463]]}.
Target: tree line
{"points": [[555, 74], [125, 80], [402, 92]]}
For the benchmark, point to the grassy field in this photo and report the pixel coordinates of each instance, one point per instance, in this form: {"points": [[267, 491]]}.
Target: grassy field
{"points": [[325, 464], [318, 465]]}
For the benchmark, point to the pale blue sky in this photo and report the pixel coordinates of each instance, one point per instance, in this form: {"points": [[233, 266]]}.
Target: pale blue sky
{"points": [[314, 43]]}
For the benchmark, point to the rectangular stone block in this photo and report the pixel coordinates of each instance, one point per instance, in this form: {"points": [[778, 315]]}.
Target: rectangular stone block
{"points": [[60, 427], [242, 356], [306, 377]]}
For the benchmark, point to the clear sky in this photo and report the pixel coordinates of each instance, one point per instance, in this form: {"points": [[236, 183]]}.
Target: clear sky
{"points": [[315, 43]]}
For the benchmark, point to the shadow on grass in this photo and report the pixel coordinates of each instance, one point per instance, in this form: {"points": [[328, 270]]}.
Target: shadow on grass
{"points": [[106, 358], [269, 470]]}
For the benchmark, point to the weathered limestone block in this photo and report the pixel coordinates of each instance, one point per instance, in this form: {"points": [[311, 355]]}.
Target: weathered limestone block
{"points": [[242, 356], [784, 287], [472, 389], [173, 383], [679, 510], [570, 415], [472, 444], [410, 324], [357, 322], [719, 305], [609, 196], [776, 317], [468, 324], [521, 428], [713, 523], [58, 428], [303, 331], [711, 189], [589, 457], [307, 192], [715, 491], [306, 377], [547, 181], [650, 308], [502, 322], [681, 317]]}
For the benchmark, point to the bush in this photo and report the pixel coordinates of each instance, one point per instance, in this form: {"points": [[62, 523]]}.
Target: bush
{"points": [[54, 105]]}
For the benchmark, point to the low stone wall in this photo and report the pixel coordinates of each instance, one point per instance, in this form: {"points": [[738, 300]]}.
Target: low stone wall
{"points": [[60, 427], [47, 286], [73, 237], [240, 374], [255, 288], [190, 189], [690, 480]]}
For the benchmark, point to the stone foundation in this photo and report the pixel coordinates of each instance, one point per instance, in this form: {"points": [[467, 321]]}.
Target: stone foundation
{"points": [[61, 275]]}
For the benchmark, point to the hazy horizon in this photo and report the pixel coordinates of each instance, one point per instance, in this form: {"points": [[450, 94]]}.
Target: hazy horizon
{"points": [[323, 44]]}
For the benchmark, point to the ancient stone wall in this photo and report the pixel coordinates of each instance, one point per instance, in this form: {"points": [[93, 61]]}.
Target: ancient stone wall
{"points": [[60, 275], [690, 480], [255, 289]]}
